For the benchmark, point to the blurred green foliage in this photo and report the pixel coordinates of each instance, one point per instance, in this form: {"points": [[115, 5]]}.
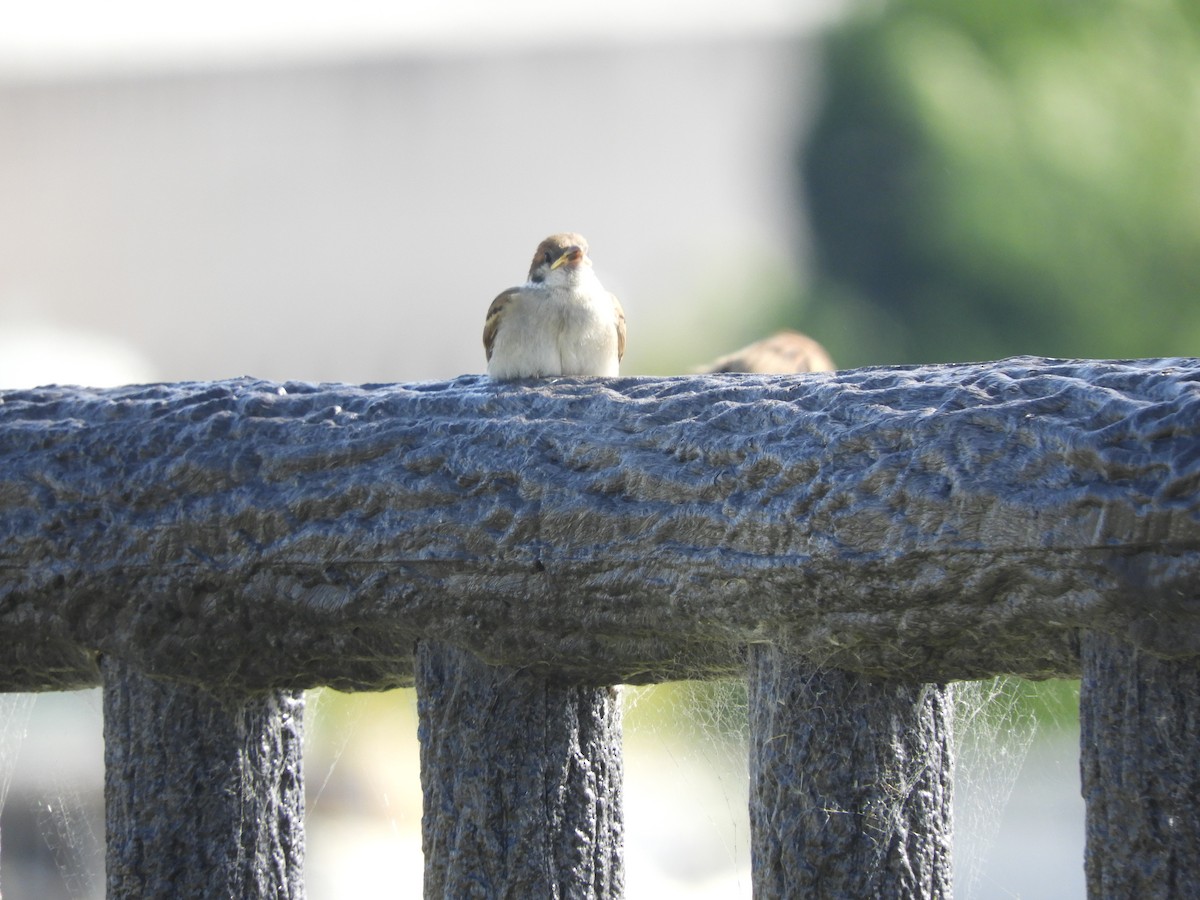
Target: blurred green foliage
{"points": [[991, 179], [1054, 703], [718, 711]]}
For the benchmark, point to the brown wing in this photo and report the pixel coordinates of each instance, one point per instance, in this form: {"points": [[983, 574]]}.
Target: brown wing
{"points": [[620, 327], [492, 323]]}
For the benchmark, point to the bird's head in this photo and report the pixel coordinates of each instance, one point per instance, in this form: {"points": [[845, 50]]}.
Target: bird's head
{"points": [[559, 257]]}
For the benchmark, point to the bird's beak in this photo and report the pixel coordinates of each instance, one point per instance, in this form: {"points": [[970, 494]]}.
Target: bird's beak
{"points": [[573, 255]]}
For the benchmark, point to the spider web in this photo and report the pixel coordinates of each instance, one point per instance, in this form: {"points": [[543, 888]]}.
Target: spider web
{"points": [[52, 833], [693, 738]]}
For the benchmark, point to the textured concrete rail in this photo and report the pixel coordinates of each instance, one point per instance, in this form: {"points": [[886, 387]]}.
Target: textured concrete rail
{"points": [[924, 524]]}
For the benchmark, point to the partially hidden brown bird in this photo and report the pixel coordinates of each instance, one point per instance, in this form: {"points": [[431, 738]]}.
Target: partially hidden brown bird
{"points": [[783, 353]]}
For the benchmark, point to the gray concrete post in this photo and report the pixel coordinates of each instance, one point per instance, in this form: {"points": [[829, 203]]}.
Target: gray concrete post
{"points": [[1140, 766], [203, 790], [849, 783], [522, 782]]}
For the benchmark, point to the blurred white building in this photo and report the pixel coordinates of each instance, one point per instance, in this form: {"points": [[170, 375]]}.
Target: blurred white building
{"points": [[352, 220]]}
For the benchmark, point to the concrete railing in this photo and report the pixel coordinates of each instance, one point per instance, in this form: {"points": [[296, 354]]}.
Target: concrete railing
{"points": [[849, 542]]}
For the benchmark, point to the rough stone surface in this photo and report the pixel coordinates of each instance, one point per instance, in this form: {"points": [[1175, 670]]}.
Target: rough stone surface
{"points": [[849, 783], [203, 792], [522, 782], [924, 524], [1140, 766]]}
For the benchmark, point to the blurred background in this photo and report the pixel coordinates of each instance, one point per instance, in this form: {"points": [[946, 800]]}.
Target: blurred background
{"points": [[335, 192]]}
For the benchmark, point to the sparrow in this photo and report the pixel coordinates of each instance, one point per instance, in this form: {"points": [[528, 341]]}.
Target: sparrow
{"points": [[781, 354], [560, 322]]}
